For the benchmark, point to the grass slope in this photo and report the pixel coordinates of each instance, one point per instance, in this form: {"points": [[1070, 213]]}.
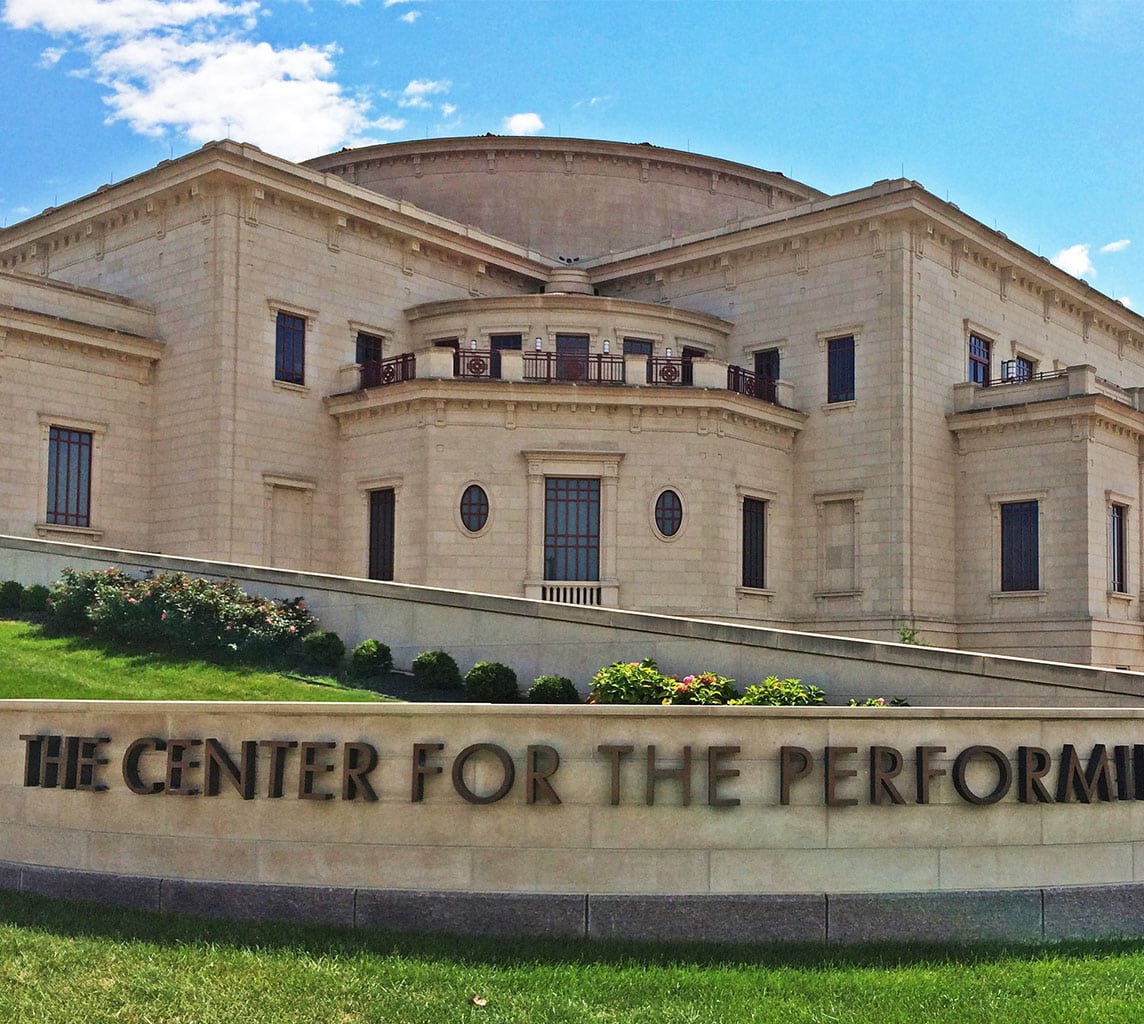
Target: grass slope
{"points": [[62, 963], [34, 666]]}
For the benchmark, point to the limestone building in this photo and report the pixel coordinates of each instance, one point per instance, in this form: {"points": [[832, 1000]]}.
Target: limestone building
{"points": [[585, 372]]}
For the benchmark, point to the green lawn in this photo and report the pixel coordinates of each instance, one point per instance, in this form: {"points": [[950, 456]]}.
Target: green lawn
{"points": [[68, 963], [34, 666]]}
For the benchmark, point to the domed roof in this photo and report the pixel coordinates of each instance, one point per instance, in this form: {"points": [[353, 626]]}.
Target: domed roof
{"points": [[571, 199]]}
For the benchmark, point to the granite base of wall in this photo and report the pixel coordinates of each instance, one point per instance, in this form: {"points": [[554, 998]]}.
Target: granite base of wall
{"points": [[1012, 915]]}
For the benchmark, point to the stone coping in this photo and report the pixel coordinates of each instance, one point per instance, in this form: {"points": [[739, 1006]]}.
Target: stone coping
{"points": [[1010, 915]]}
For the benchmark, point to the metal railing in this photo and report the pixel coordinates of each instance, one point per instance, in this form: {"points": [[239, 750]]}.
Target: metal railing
{"points": [[672, 371], [1016, 375], [591, 368], [389, 371], [475, 364], [744, 382]]}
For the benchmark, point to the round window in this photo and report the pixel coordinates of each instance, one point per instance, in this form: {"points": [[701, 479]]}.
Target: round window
{"points": [[668, 513], [474, 508]]}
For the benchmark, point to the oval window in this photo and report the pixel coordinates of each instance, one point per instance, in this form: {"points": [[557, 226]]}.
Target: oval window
{"points": [[474, 508], [668, 513]]}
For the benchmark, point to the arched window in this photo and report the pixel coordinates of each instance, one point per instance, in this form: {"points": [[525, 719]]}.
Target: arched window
{"points": [[474, 508], [668, 513]]}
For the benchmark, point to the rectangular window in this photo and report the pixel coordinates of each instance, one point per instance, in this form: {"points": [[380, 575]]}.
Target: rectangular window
{"points": [[840, 370], [767, 364], [1020, 545], [571, 528], [290, 349], [69, 477], [980, 355], [1017, 369], [1118, 549], [638, 347], [754, 543], [381, 534], [571, 357], [368, 357]]}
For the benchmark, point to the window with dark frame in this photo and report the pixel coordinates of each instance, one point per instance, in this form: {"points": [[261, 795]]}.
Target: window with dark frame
{"points": [[368, 356], [572, 528], [474, 508], [1017, 369], [980, 360], [1020, 546], [290, 349], [69, 477], [499, 343], [767, 364], [840, 369], [668, 513], [638, 347], [754, 543], [1118, 549], [381, 533]]}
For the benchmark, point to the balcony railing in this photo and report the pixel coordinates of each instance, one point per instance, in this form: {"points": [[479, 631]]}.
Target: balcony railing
{"points": [[669, 371], [1013, 374], [754, 386], [389, 371], [476, 364], [589, 594], [590, 368]]}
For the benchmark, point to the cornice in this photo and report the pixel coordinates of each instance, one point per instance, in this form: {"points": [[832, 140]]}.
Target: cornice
{"points": [[1085, 414]]}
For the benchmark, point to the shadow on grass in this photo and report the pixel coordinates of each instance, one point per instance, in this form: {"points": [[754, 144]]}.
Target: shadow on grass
{"points": [[79, 920]]}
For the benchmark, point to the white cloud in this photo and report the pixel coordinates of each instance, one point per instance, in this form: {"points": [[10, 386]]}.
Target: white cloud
{"points": [[1124, 300], [410, 17], [415, 93], [1074, 260], [194, 67], [522, 124], [1118, 246], [448, 109], [394, 3], [389, 124], [51, 56]]}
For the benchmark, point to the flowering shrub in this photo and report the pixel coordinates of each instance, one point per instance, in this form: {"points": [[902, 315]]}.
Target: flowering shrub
{"points": [[781, 692], [177, 612], [632, 682], [704, 688], [879, 702]]}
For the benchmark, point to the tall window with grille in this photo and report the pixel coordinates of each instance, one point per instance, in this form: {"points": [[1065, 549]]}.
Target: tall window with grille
{"points": [[1118, 549], [840, 370], [290, 349], [69, 477], [1020, 545], [980, 359], [571, 528], [754, 543]]}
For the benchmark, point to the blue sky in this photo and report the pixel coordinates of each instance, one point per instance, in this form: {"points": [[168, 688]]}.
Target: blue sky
{"points": [[1028, 115]]}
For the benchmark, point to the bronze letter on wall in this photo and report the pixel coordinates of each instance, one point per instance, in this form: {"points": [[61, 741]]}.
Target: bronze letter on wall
{"points": [[508, 773], [1004, 774]]}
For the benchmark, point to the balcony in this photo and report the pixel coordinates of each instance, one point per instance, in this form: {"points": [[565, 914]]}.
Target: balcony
{"points": [[597, 369], [1025, 389]]}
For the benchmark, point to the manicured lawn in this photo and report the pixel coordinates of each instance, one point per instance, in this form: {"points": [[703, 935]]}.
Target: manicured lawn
{"points": [[34, 666], [71, 963]]}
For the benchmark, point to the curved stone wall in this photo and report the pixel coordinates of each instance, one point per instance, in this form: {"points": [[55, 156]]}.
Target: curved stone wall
{"points": [[573, 199]]}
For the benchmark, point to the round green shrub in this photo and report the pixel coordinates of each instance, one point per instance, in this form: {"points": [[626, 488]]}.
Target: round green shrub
{"points": [[491, 681], [436, 670], [631, 682], [10, 592], [553, 690], [371, 658], [776, 692], [34, 600], [324, 649]]}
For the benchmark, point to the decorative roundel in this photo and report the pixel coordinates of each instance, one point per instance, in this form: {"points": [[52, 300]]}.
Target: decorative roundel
{"points": [[388, 374], [474, 508], [477, 366], [670, 373], [668, 513]]}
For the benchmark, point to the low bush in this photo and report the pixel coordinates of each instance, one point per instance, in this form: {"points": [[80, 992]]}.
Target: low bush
{"points": [[704, 688], [436, 670], [777, 692], [10, 592], [631, 682], [879, 702], [34, 600], [371, 658], [553, 690], [176, 612], [492, 681], [324, 649]]}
